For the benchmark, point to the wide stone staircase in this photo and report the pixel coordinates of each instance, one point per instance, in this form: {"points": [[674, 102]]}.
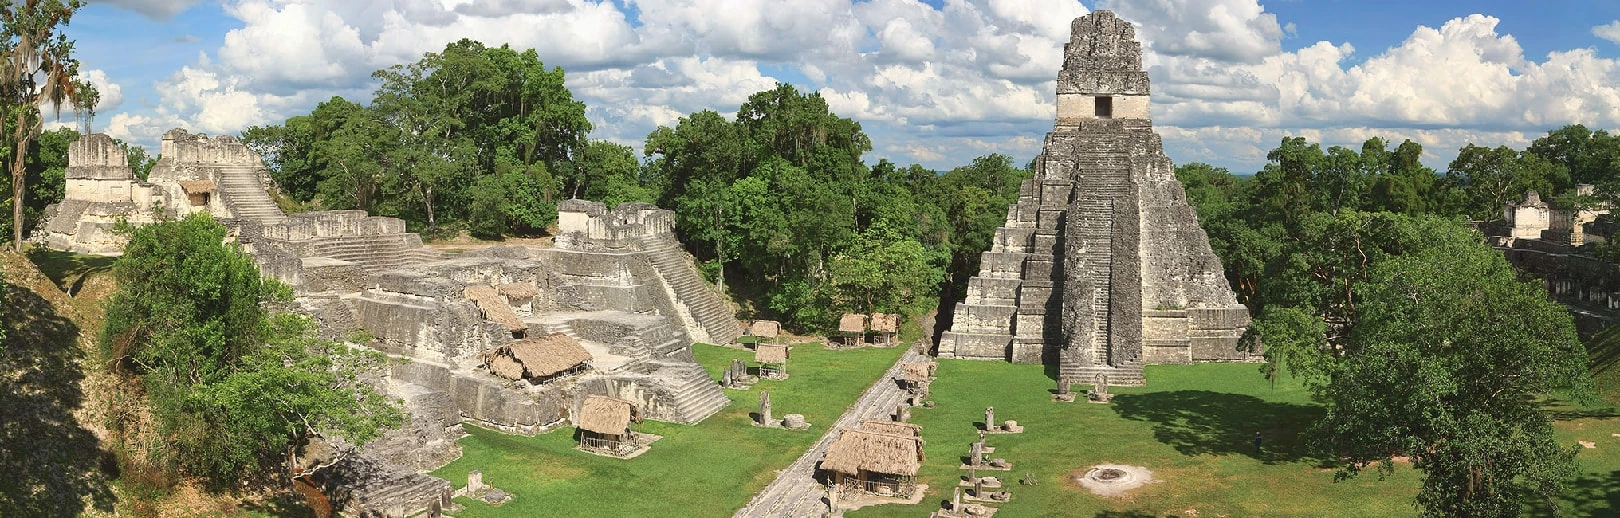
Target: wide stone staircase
{"points": [[245, 195], [696, 395], [705, 307], [375, 252]]}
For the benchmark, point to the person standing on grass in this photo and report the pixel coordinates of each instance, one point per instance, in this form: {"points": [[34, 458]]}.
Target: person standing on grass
{"points": [[1257, 441]]}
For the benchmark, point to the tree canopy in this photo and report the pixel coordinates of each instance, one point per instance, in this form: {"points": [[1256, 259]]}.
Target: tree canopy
{"points": [[39, 70], [230, 384], [1369, 283], [486, 136]]}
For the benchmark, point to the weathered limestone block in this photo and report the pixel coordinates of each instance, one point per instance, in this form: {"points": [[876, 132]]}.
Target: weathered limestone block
{"points": [[428, 439]]}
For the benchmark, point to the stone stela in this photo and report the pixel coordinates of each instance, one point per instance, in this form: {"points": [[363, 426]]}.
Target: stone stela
{"points": [[1101, 266]]}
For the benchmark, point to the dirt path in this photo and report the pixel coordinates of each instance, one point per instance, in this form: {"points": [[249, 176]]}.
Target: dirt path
{"points": [[795, 492]]}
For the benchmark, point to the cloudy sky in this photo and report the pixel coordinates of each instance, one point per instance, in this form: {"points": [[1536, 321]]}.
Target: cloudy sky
{"points": [[935, 82]]}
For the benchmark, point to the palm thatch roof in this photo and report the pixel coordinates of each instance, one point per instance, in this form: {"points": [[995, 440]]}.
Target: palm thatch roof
{"points": [[771, 353], [519, 290], [852, 323], [197, 186], [885, 323], [765, 328], [891, 428], [606, 415], [857, 450], [494, 307], [548, 355], [918, 371], [506, 367]]}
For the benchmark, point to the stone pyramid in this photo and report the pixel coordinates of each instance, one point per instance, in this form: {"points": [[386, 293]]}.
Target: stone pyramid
{"points": [[1101, 266]]}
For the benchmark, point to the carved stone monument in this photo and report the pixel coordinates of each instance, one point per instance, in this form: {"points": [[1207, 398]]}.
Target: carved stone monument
{"points": [[1099, 392], [765, 409], [1101, 266]]}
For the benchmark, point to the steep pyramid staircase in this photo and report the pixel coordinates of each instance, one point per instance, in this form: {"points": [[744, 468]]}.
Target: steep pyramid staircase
{"points": [[696, 395], [245, 195], [1104, 162], [705, 307]]}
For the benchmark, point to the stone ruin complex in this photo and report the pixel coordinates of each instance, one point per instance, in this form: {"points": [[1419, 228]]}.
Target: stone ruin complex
{"points": [[617, 284], [1544, 241], [1101, 266]]}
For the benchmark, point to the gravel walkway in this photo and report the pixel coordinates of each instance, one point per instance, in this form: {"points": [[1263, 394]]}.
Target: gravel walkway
{"points": [[795, 492]]}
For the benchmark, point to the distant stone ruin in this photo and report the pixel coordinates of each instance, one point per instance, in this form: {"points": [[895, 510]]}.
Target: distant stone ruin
{"points": [[194, 174], [1544, 241], [1101, 266], [512, 338]]}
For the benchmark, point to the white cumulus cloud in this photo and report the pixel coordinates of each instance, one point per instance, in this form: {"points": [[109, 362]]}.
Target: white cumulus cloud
{"points": [[1610, 31], [938, 85]]}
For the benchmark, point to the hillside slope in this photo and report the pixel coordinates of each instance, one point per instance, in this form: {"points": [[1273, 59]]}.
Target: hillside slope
{"points": [[53, 462]]}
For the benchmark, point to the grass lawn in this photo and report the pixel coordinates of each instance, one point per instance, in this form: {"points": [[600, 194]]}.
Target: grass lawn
{"points": [[710, 469], [1193, 426], [67, 269]]}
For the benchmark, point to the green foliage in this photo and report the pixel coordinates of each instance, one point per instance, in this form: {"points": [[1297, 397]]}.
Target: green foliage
{"points": [[1445, 365], [442, 140], [1488, 178], [231, 386], [885, 274], [1419, 338], [40, 70], [609, 173], [3, 288]]}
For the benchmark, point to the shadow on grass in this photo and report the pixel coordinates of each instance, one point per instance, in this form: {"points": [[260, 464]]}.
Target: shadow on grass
{"points": [[1130, 514], [68, 270], [282, 506], [1590, 494], [51, 465], [1575, 412], [1200, 422]]}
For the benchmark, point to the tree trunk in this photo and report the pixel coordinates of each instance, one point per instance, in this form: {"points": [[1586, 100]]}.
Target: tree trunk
{"points": [[18, 175], [427, 199]]}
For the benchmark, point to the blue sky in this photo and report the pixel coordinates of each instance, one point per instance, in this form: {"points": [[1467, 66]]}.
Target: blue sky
{"points": [[937, 82]]}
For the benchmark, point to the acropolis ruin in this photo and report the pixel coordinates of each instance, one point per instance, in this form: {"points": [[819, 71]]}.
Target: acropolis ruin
{"points": [[617, 288]]}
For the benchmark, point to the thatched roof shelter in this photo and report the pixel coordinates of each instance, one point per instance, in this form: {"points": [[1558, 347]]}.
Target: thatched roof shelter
{"points": [[519, 290], [548, 355], [506, 367], [852, 323], [917, 371], [885, 323], [891, 428], [606, 415], [860, 450], [765, 328], [197, 186], [494, 307], [771, 353]]}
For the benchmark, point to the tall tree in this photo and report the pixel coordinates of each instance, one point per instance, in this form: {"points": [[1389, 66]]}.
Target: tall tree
{"points": [[1446, 365], [1491, 177], [39, 69], [231, 385]]}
